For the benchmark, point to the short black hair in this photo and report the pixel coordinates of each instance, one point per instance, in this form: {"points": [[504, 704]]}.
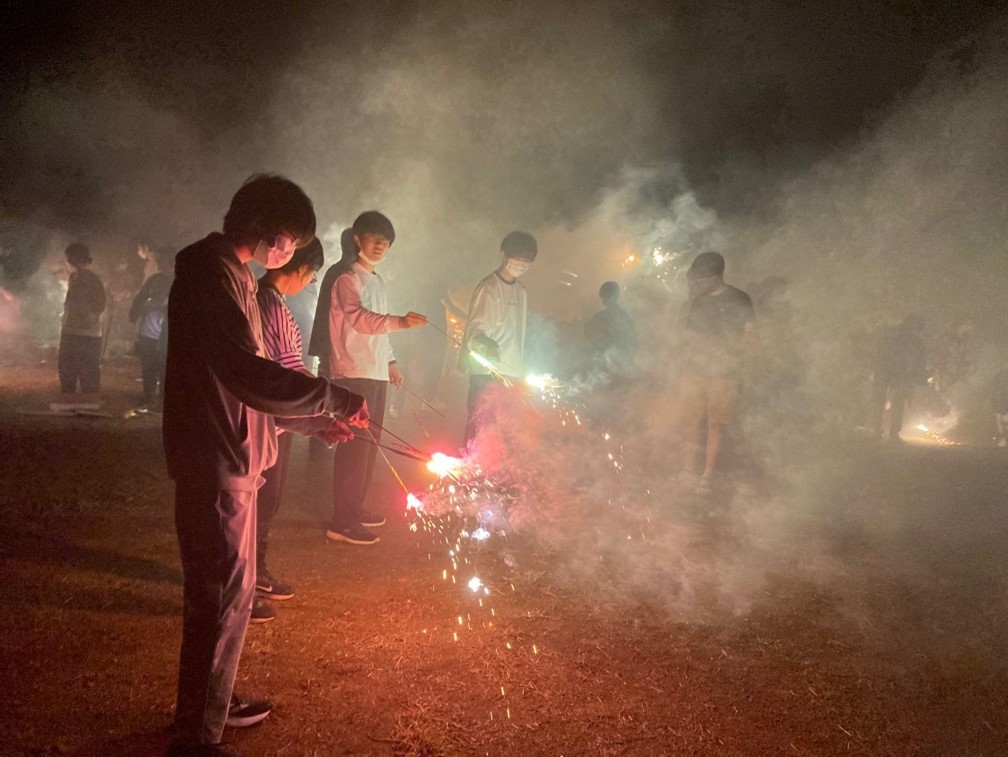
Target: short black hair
{"points": [[520, 244], [609, 291], [707, 264], [78, 254], [311, 255], [373, 222], [268, 205]]}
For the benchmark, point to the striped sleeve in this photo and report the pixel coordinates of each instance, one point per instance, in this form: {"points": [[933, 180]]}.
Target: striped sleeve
{"points": [[281, 334]]}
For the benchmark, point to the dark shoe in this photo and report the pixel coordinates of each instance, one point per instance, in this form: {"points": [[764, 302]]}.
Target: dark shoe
{"points": [[352, 535], [371, 520], [202, 750], [262, 611], [242, 713], [269, 586]]}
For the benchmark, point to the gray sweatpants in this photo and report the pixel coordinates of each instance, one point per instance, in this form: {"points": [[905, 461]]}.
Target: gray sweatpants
{"points": [[217, 537]]}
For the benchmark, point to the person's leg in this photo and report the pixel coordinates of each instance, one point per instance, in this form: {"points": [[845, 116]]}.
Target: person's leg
{"points": [[90, 369], [66, 364], [216, 533], [477, 385], [693, 406], [377, 400], [268, 498], [350, 464], [880, 390], [146, 353], [722, 399], [900, 397]]}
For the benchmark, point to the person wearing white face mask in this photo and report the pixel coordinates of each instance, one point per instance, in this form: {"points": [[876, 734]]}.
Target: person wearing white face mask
{"points": [[223, 398], [498, 312]]}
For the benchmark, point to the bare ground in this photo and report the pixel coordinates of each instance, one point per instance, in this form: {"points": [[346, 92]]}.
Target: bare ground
{"points": [[903, 653]]}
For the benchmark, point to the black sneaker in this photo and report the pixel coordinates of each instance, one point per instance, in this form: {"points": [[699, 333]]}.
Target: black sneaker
{"points": [[202, 750], [371, 520], [269, 586], [262, 611], [352, 535], [243, 713]]}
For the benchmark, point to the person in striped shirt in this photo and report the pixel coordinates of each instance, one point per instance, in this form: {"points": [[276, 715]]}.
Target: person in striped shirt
{"points": [[282, 340]]}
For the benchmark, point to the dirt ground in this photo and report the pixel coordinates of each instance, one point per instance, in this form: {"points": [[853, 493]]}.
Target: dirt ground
{"points": [[377, 654]]}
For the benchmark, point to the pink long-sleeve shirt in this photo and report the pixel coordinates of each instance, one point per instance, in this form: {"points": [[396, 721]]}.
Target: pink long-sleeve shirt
{"points": [[359, 325]]}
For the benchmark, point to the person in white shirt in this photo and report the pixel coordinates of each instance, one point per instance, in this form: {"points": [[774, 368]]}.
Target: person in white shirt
{"points": [[361, 360], [498, 312]]}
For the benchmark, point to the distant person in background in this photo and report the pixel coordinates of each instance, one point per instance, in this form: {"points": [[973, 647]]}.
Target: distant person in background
{"points": [[611, 332], [282, 340], [900, 365], [498, 318], [719, 342], [149, 312], [81, 333]]}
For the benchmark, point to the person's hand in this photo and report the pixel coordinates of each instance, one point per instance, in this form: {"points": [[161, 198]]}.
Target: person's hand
{"points": [[487, 347], [411, 320], [337, 432], [395, 376], [356, 413]]}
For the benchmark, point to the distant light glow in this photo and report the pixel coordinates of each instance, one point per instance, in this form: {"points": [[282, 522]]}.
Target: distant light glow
{"points": [[480, 534], [475, 583]]}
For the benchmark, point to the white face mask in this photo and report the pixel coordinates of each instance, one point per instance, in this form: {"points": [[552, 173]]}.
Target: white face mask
{"points": [[370, 260], [274, 253], [516, 267]]}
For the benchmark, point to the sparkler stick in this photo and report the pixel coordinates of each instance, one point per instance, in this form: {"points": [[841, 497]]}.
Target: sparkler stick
{"points": [[404, 452], [414, 394], [421, 425], [400, 439], [389, 463]]}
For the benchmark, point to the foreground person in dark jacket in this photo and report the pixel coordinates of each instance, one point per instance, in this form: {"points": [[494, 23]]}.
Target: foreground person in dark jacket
{"points": [[222, 398]]}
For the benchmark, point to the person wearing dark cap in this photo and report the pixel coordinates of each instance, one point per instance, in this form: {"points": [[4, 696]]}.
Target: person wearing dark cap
{"points": [[79, 356], [222, 400], [720, 335], [361, 359], [495, 329]]}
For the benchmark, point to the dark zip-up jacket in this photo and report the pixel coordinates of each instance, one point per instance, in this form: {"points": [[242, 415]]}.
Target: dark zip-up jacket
{"points": [[221, 391]]}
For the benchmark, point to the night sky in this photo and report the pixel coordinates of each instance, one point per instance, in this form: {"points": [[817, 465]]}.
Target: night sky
{"points": [[137, 123]]}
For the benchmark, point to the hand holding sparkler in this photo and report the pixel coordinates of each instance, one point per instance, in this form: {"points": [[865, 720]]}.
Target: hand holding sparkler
{"points": [[411, 320]]}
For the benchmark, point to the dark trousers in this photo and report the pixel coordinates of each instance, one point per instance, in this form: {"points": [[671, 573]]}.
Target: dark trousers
{"points": [[478, 383], [353, 461], [898, 393], [216, 532], [268, 499], [152, 364], [79, 358]]}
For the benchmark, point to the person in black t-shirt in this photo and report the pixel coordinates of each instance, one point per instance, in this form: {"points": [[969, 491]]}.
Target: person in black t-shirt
{"points": [[720, 334]]}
